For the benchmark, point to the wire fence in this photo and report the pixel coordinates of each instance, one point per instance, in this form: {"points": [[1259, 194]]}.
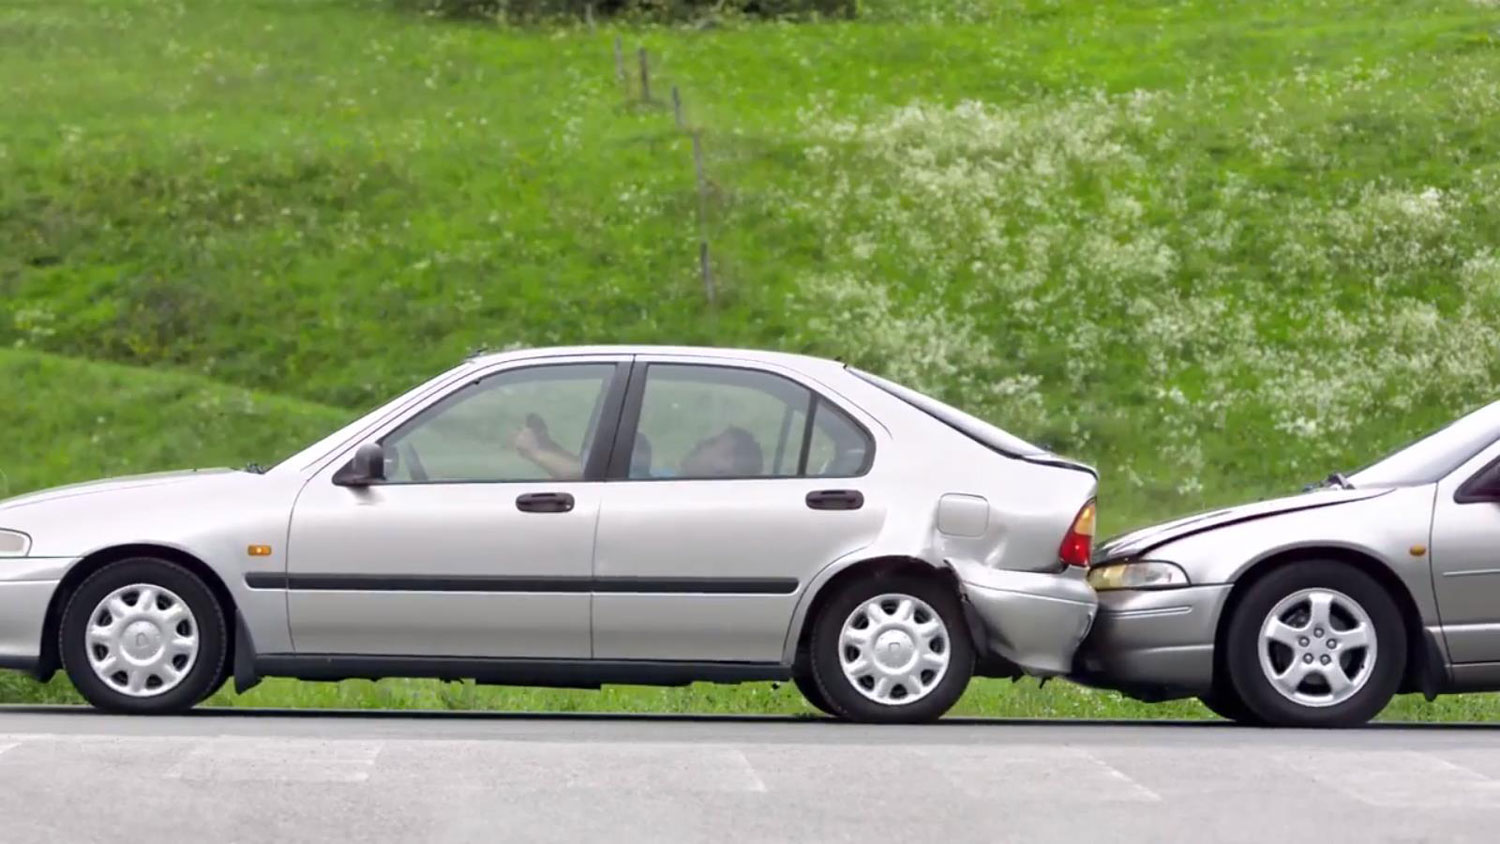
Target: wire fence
{"points": [[640, 92]]}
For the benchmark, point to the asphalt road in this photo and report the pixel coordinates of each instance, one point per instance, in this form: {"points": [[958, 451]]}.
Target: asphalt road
{"points": [[74, 775]]}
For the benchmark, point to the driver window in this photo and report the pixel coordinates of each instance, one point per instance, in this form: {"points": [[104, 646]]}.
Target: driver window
{"points": [[532, 424]]}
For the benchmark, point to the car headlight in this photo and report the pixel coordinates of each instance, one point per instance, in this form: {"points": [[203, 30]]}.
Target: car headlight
{"points": [[13, 543], [1140, 574]]}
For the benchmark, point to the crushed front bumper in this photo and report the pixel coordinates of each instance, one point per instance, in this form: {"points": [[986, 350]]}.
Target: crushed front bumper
{"points": [[1154, 644], [1033, 620]]}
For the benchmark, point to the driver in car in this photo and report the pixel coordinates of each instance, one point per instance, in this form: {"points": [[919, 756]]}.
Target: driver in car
{"points": [[731, 453]]}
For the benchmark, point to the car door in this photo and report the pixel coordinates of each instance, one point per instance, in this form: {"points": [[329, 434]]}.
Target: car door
{"points": [[731, 486], [1465, 550], [473, 546]]}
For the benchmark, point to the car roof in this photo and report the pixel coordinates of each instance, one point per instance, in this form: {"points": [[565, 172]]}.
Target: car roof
{"points": [[805, 363]]}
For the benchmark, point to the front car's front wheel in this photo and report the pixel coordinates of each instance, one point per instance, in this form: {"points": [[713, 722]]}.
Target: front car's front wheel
{"points": [[891, 649], [143, 636]]}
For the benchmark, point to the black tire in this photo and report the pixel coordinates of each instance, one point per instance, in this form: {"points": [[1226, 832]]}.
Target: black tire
{"points": [[207, 668], [225, 671], [1226, 704], [1242, 659], [839, 692], [809, 689]]}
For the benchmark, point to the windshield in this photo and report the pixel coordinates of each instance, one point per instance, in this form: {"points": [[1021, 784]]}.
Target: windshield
{"points": [[359, 426], [975, 428], [1435, 456]]}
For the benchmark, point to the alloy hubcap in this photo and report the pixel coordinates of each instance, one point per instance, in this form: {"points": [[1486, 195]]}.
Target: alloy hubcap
{"points": [[1317, 647], [894, 649], [142, 640]]}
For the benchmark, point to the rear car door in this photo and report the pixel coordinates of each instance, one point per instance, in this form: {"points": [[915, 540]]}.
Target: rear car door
{"points": [[469, 548], [1465, 550], [731, 486]]}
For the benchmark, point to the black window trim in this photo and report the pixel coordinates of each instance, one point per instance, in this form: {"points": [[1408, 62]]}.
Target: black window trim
{"points": [[599, 449], [1466, 492], [630, 418]]}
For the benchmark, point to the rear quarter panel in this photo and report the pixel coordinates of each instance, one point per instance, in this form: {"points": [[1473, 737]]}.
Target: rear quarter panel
{"points": [[1026, 508]]}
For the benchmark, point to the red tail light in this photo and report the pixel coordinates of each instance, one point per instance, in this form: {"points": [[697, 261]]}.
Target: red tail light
{"points": [[1078, 546]]}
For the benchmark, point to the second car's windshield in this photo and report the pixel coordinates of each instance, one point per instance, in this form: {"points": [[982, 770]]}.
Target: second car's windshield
{"points": [[1433, 457]]}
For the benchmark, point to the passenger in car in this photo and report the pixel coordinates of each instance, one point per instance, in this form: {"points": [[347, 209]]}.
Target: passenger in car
{"points": [[732, 453]]}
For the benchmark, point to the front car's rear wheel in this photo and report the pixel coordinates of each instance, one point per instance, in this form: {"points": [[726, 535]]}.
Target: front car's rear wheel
{"points": [[891, 649], [143, 635]]}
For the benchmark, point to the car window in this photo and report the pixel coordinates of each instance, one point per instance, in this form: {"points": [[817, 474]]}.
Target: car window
{"points": [[725, 422], [530, 424], [839, 448], [1484, 486]]}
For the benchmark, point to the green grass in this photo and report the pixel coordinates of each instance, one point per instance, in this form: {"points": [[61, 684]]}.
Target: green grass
{"points": [[1218, 249]]}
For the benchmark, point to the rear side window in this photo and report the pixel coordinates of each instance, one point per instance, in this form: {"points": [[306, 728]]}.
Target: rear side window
{"points": [[700, 422], [971, 426], [838, 447]]}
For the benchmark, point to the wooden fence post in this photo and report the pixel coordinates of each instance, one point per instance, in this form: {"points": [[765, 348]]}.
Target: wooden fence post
{"points": [[704, 266], [645, 75], [620, 64]]}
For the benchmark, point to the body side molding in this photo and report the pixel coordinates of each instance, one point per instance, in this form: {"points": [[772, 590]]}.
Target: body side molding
{"points": [[611, 585]]}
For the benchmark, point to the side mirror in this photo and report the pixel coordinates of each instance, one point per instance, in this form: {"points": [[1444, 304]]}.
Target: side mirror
{"points": [[367, 467]]}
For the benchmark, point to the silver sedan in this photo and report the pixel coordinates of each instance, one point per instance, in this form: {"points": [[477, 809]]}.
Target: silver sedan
{"points": [[1314, 610], [574, 517]]}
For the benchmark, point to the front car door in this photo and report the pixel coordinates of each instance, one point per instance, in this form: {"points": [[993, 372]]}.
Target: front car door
{"points": [[480, 541], [731, 486], [1465, 551]]}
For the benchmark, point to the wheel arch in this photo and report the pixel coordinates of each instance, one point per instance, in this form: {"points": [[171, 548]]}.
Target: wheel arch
{"points": [[50, 661], [823, 589], [1422, 664]]}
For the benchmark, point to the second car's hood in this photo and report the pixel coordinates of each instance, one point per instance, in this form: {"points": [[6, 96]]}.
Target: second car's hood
{"points": [[108, 485], [1140, 541]]}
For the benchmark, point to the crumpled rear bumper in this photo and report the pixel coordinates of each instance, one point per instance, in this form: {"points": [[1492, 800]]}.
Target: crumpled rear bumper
{"points": [[1034, 620]]}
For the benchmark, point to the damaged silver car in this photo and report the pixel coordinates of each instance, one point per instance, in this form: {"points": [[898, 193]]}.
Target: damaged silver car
{"points": [[574, 517]]}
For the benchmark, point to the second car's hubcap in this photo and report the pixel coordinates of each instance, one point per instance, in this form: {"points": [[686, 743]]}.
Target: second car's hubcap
{"points": [[142, 640], [1317, 647], [894, 649]]}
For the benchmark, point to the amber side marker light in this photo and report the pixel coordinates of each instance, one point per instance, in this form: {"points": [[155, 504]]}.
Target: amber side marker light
{"points": [[1418, 550], [259, 550]]}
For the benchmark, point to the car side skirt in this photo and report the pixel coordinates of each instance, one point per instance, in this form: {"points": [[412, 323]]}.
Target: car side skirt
{"points": [[565, 674], [1474, 677]]}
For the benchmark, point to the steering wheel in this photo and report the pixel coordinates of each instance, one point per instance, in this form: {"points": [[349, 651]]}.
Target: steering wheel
{"points": [[408, 452]]}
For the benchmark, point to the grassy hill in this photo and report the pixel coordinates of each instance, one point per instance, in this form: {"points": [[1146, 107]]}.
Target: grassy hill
{"points": [[71, 420], [1217, 248]]}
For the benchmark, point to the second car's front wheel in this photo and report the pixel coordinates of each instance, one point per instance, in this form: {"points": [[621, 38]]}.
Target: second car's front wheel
{"points": [[891, 650], [1316, 644]]}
